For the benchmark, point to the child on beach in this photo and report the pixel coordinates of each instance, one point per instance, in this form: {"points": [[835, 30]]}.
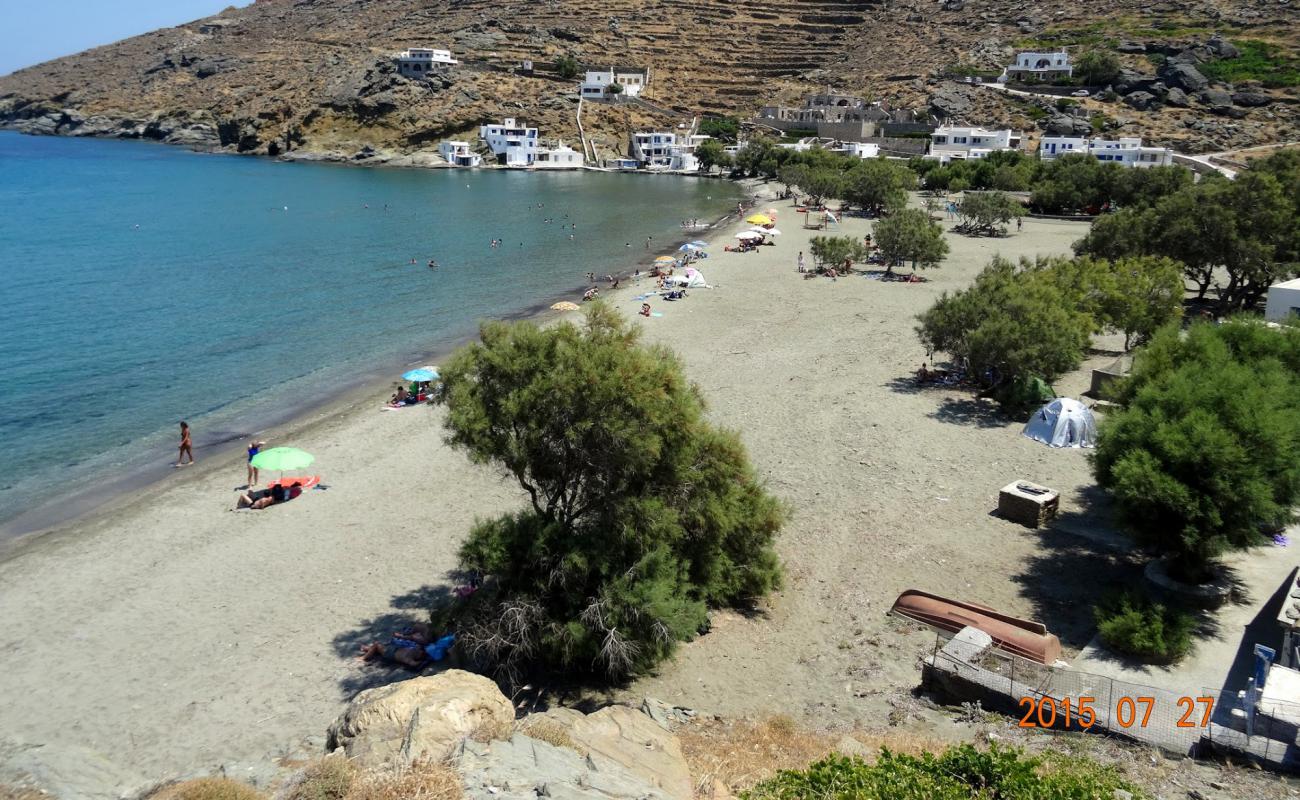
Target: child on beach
{"points": [[186, 447], [253, 448]]}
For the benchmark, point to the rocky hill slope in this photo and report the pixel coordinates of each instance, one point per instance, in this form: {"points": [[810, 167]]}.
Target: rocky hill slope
{"points": [[316, 76]]}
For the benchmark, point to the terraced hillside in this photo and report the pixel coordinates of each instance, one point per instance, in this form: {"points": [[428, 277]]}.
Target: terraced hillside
{"points": [[315, 75]]}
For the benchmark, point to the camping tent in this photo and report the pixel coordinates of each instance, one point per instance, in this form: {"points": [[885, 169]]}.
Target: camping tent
{"points": [[693, 279], [1063, 423]]}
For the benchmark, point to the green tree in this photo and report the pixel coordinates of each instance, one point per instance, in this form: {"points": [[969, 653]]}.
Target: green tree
{"points": [[823, 183], [1207, 447], [793, 174], [566, 66], [614, 88], [910, 235], [710, 154], [833, 251], [878, 186], [723, 128], [986, 212], [1141, 296], [1097, 67], [1013, 322], [640, 513]]}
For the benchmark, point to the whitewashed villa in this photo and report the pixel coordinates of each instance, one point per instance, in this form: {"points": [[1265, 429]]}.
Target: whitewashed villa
{"points": [[418, 62], [1040, 67], [513, 144], [631, 80], [1127, 151], [950, 142], [459, 154]]}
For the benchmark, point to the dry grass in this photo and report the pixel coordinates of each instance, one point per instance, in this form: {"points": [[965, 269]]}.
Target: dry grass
{"points": [[551, 732], [492, 730], [737, 755], [330, 778], [420, 781], [207, 789], [8, 792]]}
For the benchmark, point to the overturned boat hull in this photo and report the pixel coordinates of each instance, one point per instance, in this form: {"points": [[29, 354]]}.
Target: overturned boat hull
{"points": [[1021, 637]]}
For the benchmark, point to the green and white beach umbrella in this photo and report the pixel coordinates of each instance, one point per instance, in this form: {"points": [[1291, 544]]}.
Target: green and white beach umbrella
{"points": [[280, 459]]}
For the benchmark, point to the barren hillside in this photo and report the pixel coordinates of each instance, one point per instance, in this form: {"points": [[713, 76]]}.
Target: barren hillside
{"points": [[316, 75]]}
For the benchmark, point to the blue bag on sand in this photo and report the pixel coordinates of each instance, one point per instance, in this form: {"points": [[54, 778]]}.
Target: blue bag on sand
{"points": [[438, 650]]}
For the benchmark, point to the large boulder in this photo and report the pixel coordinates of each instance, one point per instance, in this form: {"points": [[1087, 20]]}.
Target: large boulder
{"points": [[629, 738], [1183, 76], [1222, 48], [950, 101], [1177, 97], [425, 717], [1251, 97], [1142, 101], [1066, 125]]}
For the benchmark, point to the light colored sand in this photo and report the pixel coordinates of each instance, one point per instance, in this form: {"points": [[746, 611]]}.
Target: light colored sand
{"points": [[176, 634]]}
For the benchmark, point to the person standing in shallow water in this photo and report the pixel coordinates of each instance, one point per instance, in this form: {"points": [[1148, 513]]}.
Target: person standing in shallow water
{"points": [[186, 447]]}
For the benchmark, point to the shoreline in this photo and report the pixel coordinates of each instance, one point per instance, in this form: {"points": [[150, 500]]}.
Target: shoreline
{"points": [[25, 530]]}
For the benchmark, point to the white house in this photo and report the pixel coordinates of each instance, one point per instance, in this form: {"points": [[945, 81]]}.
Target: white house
{"points": [[559, 157], [595, 86], [1044, 67], [857, 149], [654, 149], [514, 145], [1127, 151], [418, 62], [949, 142], [1283, 300], [459, 154]]}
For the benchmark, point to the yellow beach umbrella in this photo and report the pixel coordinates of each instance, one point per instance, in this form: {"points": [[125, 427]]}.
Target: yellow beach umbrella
{"points": [[759, 219], [665, 260], [565, 306]]}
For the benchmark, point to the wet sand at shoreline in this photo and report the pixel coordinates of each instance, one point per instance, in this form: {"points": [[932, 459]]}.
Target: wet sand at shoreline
{"points": [[171, 633]]}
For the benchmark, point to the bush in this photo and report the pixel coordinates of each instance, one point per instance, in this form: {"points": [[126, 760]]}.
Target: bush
{"points": [[207, 789], [833, 251], [641, 514], [987, 212], [1259, 61], [1015, 321], [1207, 446], [725, 128], [1133, 625], [330, 778], [960, 773], [567, 67], [1097, 67]]}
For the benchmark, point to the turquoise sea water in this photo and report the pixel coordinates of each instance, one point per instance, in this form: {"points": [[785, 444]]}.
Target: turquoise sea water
{"points": [[144, 284]]}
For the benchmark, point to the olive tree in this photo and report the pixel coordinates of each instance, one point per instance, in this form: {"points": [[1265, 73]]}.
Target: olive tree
{"points": [[910, 234]]}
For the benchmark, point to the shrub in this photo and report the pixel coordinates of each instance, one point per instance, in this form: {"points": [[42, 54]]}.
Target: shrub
{"points": [[207, 789], [1013, 322], [566, 67], [641, 514], [833, 251], [986, 212], [726, 128], [1096, 67], [1207, 446], [1133, 625], [960, 773], [419, 781], [1259, 61], [329, 778]]}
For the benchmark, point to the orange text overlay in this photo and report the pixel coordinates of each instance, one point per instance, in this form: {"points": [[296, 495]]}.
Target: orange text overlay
{"points": [[1129, 712]]}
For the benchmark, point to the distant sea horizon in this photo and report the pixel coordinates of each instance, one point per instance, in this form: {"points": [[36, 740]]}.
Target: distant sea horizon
{"points": [[146, 284]]}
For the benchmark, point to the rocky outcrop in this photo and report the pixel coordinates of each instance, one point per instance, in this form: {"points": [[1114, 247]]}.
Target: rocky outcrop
{"points": [[524, 768], [1066, 125], [631, 738], [420, 718], [1183, 76]]}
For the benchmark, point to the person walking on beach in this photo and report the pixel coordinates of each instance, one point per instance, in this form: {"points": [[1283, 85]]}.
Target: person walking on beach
{"points": [[187, 447], [647, 242], [254, 447], [801, 265]]}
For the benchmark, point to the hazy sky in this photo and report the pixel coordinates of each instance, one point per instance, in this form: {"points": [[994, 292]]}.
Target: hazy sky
{"points": [[32, 31]]}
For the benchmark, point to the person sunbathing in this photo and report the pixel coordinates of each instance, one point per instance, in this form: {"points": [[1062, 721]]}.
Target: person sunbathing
{"points": [[412, 647], [276, 494]]}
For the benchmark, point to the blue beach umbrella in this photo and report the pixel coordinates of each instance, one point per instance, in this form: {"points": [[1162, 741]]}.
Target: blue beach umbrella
{"points": [[689, 247], [700, 243], [421, 375]]}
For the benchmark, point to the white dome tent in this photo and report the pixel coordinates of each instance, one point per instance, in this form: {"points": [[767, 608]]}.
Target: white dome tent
{"points": [[1063, 423]]}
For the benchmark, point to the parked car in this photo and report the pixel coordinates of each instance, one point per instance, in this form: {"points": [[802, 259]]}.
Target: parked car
{"points": [[1080, 93]]}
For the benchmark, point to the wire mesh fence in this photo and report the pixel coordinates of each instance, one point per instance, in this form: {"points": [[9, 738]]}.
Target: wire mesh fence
{"points": [[1059, 698]]}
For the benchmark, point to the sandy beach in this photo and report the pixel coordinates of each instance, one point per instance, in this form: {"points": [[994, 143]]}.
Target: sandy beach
{"points": [[172, 634]]}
